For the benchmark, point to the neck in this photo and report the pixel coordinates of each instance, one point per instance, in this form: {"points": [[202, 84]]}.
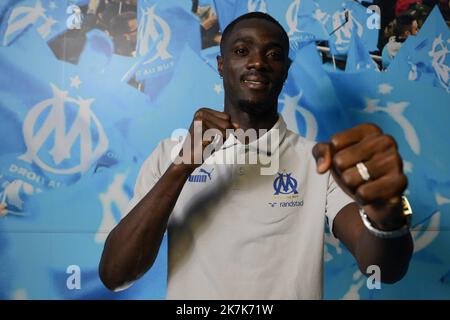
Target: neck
{"points": [[246, 120]]}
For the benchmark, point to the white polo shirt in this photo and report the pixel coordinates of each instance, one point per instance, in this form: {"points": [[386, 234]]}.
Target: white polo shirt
{"points": [[237, 234]]}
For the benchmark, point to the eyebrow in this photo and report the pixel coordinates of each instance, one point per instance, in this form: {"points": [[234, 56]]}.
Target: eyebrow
{"points": [[250, 40], [243, 39]]}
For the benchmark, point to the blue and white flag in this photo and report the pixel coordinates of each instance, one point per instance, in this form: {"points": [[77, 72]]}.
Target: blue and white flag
{"points": [[308, 101], [4, 5], [164, 30], [340, 18], [358, 57], [97, 60], [68, 233], [228, 10], [209, 55], [244, 6], [66, 173], [303, 18], [64, 116], [50, 17], [442, 194], [402, 110], [97, 52], [425, 58], [225, 12], [177, 103]]}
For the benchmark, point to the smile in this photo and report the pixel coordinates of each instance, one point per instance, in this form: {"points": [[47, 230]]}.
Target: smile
{"points": [[255, 83]]}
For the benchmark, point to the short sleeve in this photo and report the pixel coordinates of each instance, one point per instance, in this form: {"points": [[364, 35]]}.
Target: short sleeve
{"points": [[336, 200], [151, 171]]}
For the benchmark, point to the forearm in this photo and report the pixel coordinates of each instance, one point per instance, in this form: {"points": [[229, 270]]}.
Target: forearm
{"points": [[392, 256], [132, 246]]}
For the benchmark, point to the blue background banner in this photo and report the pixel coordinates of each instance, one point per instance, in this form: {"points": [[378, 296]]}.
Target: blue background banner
{"points": [[89, 88]]}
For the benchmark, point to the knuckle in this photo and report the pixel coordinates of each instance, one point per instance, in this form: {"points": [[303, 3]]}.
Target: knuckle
{"points": [[199, 113], [392, 159], [384, 142], [390, 141], [335, 140], [362, 194], [347, 179], [392, 162], [403, 181], [317, 150], [371, 127], [338, 161], [398, 161]]}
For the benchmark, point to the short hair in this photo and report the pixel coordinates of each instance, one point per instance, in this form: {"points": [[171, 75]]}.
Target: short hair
{"points": [[252, 15], [404, 23]]}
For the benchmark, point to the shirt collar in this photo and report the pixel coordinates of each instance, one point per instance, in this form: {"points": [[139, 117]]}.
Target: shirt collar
{"points": [[267, 143]]}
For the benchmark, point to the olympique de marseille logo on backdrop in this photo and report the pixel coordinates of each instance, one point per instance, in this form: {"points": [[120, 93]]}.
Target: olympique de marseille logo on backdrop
{"points": [[153, 32], [23, 16], [257, 5], [292, 17], [48, 119]]}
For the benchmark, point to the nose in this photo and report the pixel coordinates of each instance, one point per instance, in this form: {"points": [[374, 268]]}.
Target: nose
{"points": [[258, 61]]}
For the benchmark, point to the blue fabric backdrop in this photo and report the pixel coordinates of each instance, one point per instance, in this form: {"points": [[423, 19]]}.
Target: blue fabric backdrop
{"points": [[73, 136]]}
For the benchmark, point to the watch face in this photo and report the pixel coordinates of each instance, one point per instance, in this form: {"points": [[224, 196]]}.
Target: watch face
{"points": [[407, 211]]}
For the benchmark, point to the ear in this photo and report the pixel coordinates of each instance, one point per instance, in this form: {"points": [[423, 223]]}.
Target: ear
{"points": [[220, 65], [289, 63]]}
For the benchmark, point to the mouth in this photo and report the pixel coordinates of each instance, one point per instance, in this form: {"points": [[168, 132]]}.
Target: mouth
{"points": [[253, 82]]}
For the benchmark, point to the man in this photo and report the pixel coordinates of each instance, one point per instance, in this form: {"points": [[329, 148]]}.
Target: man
{"points": [[123, 30], [404, 26], [239, 234]]}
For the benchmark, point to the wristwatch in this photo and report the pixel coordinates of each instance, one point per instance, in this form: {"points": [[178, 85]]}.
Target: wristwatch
{"points": [[407, 213]]}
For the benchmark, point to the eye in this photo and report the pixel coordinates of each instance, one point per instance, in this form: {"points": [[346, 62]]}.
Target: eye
{"points": [[240, 51], [275, 54]]}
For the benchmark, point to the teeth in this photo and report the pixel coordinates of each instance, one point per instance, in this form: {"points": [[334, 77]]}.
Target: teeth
{"points": [[253, 82]]}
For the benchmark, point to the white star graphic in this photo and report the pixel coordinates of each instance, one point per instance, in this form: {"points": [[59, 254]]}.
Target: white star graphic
{"points": [[372, 105], [218, 88], [407, 166], [75, 82], [385, 88], [45, 29], [52, 5]]}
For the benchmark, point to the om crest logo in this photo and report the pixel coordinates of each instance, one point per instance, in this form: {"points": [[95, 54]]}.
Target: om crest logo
{"points": [[22, 16], [284, 183], [257, 5], [344, 29], [153, 34], [292, 17], [438, 54], [47, 119]]}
